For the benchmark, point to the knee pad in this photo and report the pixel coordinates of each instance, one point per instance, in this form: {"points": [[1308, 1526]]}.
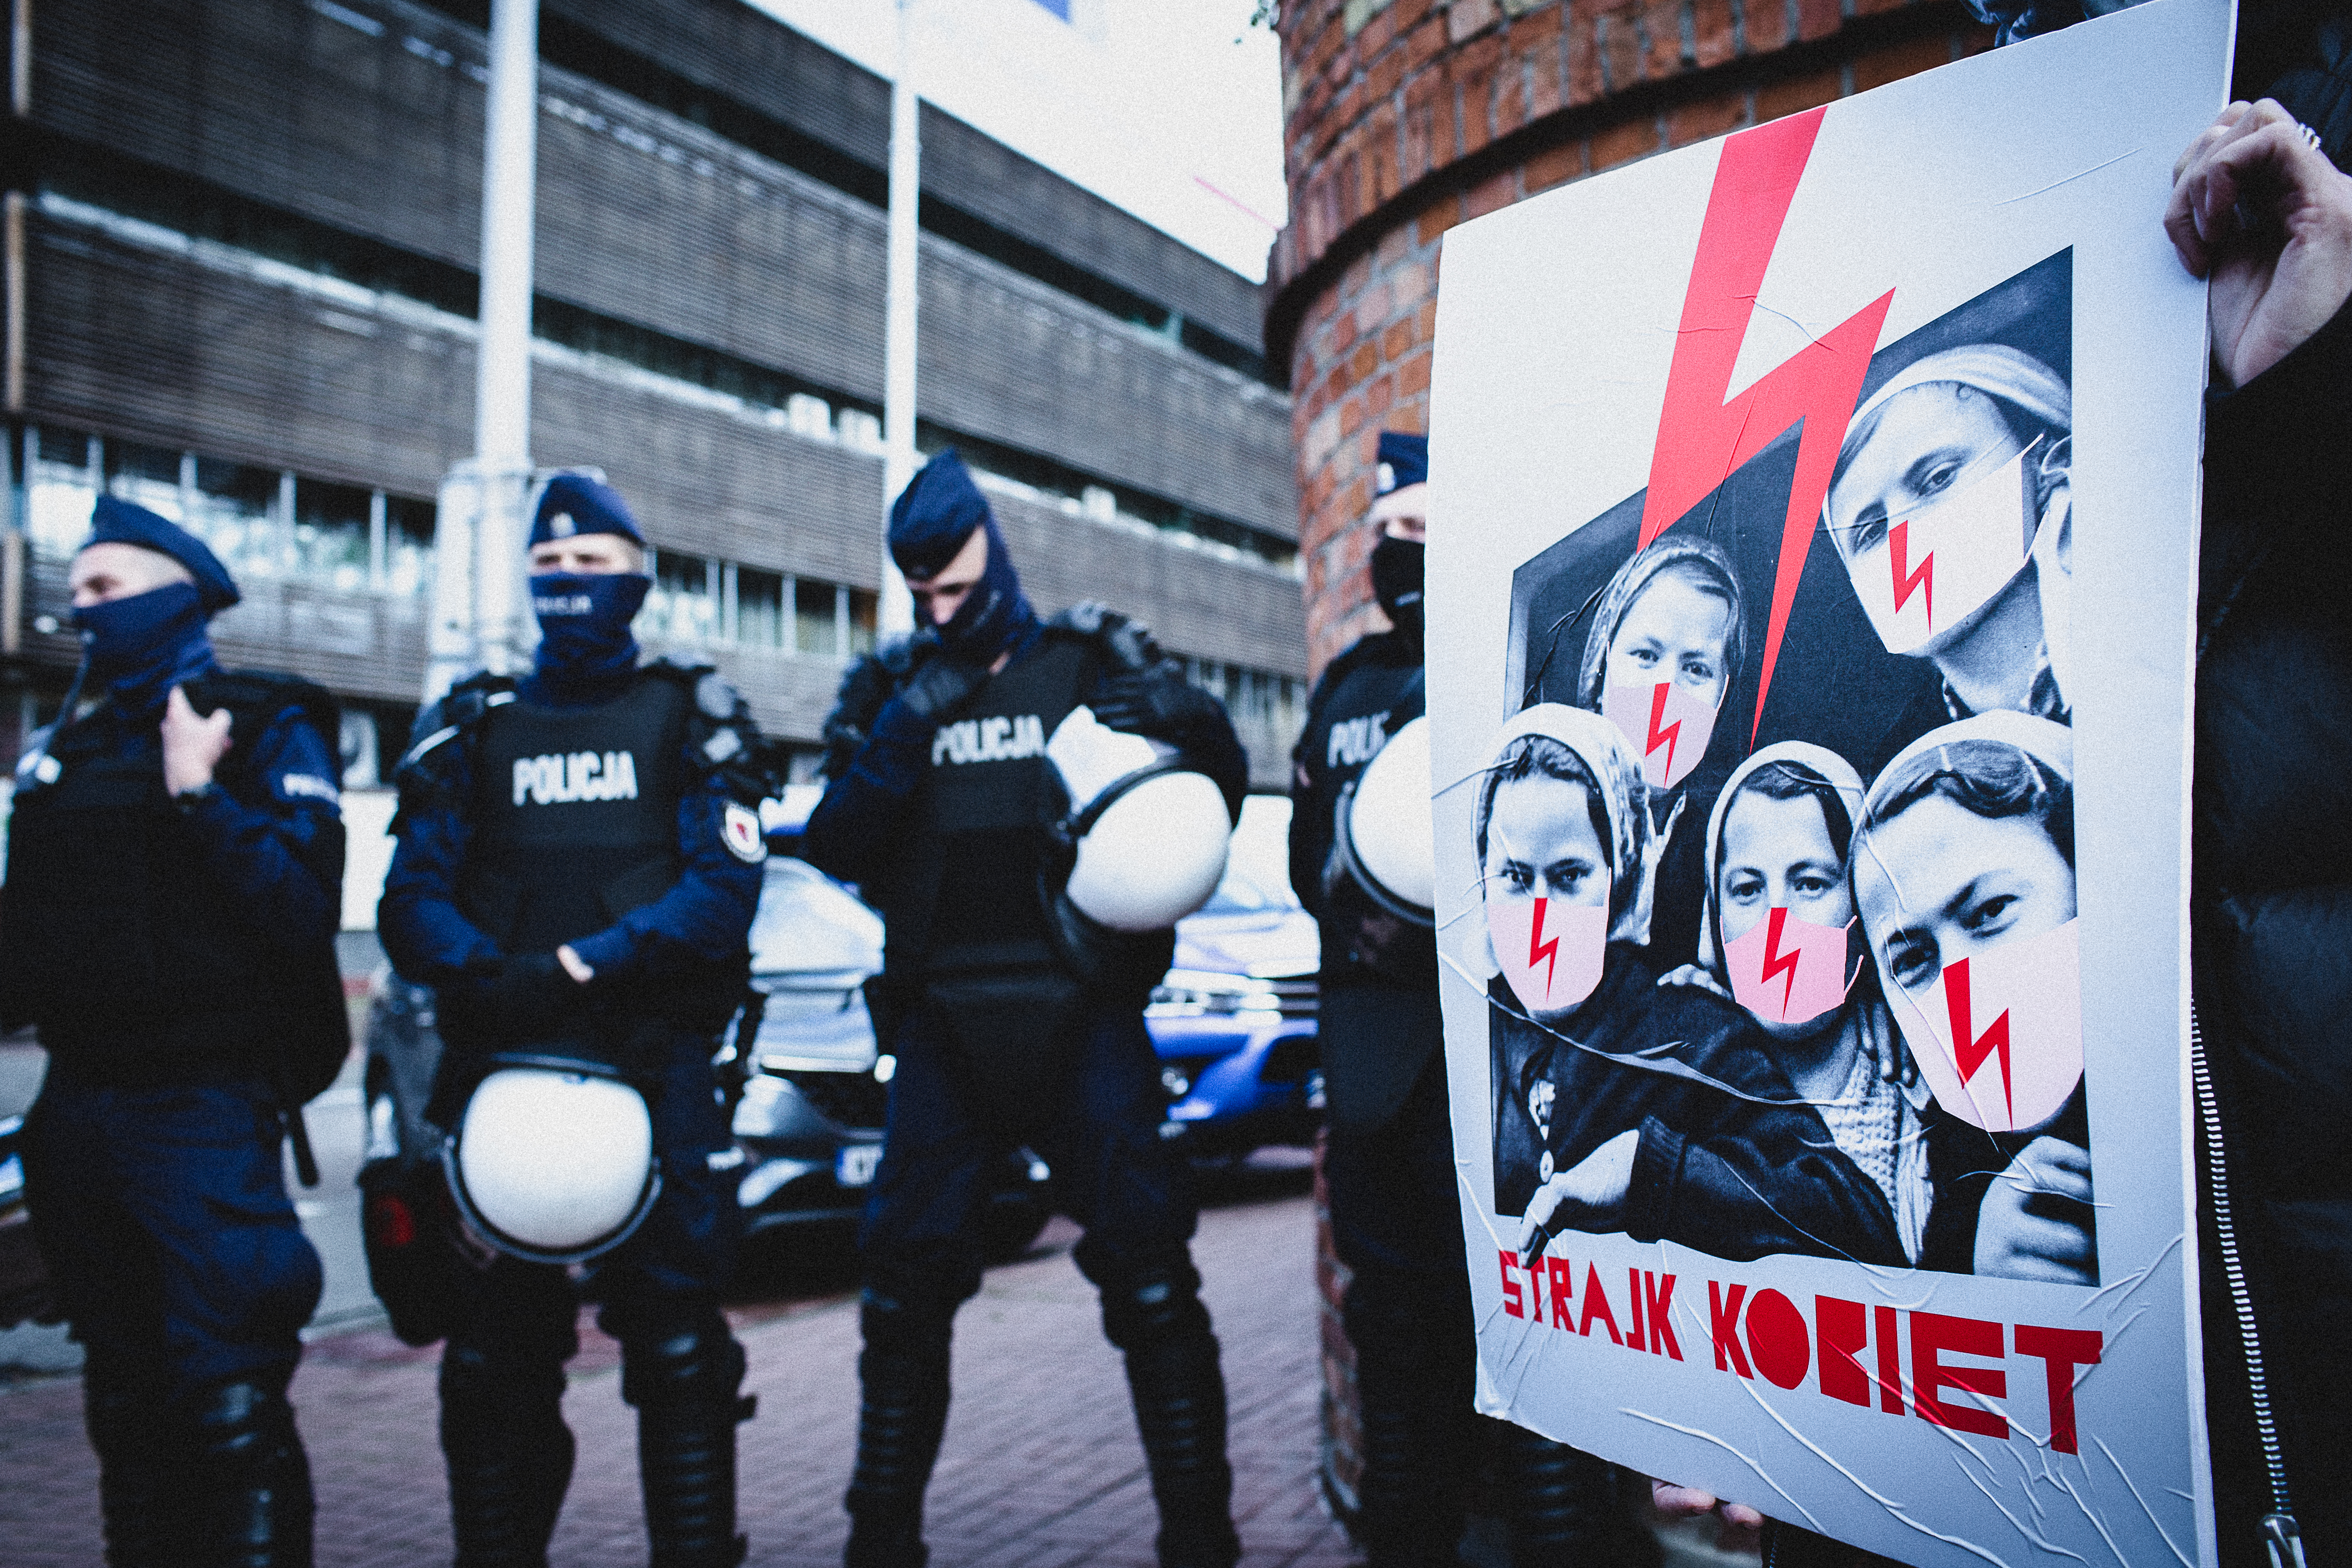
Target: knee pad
{"points": [[1153, 1300], [905, 1324], [691, 1359], [500, 1382]]}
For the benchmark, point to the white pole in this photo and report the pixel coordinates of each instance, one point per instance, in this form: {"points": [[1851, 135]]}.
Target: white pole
{"points": [[896, 610], [477, 620]]}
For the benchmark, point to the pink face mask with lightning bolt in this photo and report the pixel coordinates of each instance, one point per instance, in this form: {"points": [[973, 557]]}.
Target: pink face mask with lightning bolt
{"points": [[1788, 971], [1999, 1035], [1550, 952], [1936, 566], [1668, 723]]}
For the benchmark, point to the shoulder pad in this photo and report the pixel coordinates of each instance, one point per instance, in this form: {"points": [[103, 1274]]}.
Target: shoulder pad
{"points": [[901, 653], [715, 698], [454, 714], [257, 698], [1129, 642]]}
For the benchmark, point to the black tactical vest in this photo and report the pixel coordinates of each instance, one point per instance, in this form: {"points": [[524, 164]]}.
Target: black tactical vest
{"points": [[118, 939], [964, 896], [1371, 700], [573, 815]]}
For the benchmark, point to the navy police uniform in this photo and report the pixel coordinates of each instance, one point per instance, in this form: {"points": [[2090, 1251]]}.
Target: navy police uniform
{"points": [[1011, 1027], [177, 955], [1388, 1158], [612, 807]]}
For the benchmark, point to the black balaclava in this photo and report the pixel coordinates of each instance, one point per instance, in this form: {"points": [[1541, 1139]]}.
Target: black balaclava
{"points": [[934, 518], [1396, 582]]}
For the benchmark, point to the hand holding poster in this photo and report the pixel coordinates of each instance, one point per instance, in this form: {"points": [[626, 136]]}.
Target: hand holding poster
{"points": [[1811, 803]]}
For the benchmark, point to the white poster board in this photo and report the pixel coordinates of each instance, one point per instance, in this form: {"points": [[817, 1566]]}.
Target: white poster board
{"points": [[1810, 615]]}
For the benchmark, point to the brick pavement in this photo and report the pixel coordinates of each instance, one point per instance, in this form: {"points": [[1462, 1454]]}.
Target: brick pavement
{"points": [[1040, 1466]]}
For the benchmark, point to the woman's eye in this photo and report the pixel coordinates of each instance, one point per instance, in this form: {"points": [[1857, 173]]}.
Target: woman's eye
{"points": [[1938, 480], [1698, 669], [1912, 963], [1987, 917], [1812, 885], [1643, 656], [1869, 532]]}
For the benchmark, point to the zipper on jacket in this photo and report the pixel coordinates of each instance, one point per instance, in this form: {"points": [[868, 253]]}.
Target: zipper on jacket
{"points": [[2281, 1537]]}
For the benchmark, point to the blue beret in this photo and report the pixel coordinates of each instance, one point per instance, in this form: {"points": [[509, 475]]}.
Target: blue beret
{"points": [[1404, 460], [934, 515], [574, 504], [118, 522]]}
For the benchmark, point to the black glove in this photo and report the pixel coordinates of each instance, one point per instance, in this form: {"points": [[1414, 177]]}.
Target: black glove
{"points": [[530, 996], [939, 687], [1160, 703]]}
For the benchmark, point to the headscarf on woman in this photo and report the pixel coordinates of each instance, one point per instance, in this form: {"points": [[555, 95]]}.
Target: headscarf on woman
{"points": [[1873, 1117], [1607, 755]]}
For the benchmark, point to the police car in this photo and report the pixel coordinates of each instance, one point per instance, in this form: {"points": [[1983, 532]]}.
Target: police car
{"points": [[1233, 1022]]}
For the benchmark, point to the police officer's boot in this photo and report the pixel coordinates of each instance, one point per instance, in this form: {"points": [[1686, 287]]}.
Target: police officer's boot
{"points": [[1414, 1385], [140, 1498], [902, 1374], [251, 1480], [684, 1383], [1152, 1311], [510, 1456], [1567, 1509]]}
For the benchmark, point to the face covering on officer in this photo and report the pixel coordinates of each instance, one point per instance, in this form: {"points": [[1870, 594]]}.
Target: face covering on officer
{"points": [[142, 646], [1397, 566], [584, 622], [930, 523], [584, 640]]}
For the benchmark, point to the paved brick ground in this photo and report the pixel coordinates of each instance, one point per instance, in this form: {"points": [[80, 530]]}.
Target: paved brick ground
{"points": [[1040, 1466]]}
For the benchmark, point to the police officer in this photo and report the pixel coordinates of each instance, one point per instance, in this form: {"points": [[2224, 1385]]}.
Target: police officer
{"points": [[1008, 1026], [1396, 1220], [578, 863], [175, 881]]}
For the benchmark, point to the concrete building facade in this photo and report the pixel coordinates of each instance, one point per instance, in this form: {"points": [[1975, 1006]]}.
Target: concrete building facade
{"points": [[241, 243]]}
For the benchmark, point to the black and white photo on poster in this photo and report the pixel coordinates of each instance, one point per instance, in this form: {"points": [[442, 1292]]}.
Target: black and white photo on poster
{"points": [[1808, 663]]}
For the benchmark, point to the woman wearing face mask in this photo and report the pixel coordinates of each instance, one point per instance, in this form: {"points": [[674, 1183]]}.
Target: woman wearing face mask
{"points": [[1964, 877], [1776, 938], [1666, 637], [1951, 508], [1620, 1105]]}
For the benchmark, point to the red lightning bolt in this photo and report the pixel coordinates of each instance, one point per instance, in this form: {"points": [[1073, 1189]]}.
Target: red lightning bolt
{"points": [[1775, 960], [1668, 736], [1907, 581], [1539, 951], [1971, 1048], [1701, 438]]}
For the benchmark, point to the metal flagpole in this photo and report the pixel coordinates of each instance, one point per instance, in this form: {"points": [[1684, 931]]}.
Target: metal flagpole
{"points": [[897, 611], [478, 621]]}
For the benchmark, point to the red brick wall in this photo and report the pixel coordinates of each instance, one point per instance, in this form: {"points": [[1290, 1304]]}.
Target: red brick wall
{"points": [[1405, 117]]}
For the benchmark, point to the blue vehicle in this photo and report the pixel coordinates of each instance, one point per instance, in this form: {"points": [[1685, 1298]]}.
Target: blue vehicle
{"points": [[1233, 1022]]}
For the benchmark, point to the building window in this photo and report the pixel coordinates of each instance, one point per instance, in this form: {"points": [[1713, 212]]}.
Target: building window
{"points": [[407, 546], [861, 622], [682, 605], [759, 608], [331, 535], [59, 488], [815, 621], [234, 509]]}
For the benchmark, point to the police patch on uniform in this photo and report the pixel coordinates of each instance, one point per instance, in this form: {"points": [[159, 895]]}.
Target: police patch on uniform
{"points": [[740, 825]]}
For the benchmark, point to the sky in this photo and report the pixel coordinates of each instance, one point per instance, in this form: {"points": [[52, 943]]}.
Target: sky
{"points": [[1170, 109]]}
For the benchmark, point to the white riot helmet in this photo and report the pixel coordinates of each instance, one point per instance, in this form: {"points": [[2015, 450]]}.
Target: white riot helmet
{"points": [[554, 1160], [1150, 835], [1387, 840]]}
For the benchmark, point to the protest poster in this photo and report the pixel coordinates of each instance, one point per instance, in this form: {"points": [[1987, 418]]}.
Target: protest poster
{"points": [[1810, 602]]}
